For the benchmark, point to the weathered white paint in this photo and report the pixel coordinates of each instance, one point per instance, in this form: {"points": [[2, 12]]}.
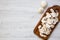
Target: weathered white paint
{"points": [[19, 17]]}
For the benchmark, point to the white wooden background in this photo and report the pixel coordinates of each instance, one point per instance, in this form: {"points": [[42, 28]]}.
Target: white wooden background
{"points": [[19, 17]]}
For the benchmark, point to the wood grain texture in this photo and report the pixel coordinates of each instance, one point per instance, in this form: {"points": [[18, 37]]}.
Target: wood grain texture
{"points": [[19, 17]]}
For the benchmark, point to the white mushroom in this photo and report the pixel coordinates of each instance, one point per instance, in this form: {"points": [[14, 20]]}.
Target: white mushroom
{"points": [[43, 35], [52, 10], [50, 21], [53, 13], [48, 31], [44, 20], [52, 26], [55, 20], [41, 10], [43, 29], [44, 4], [47, 25], [48, 15], [39, 26]]}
